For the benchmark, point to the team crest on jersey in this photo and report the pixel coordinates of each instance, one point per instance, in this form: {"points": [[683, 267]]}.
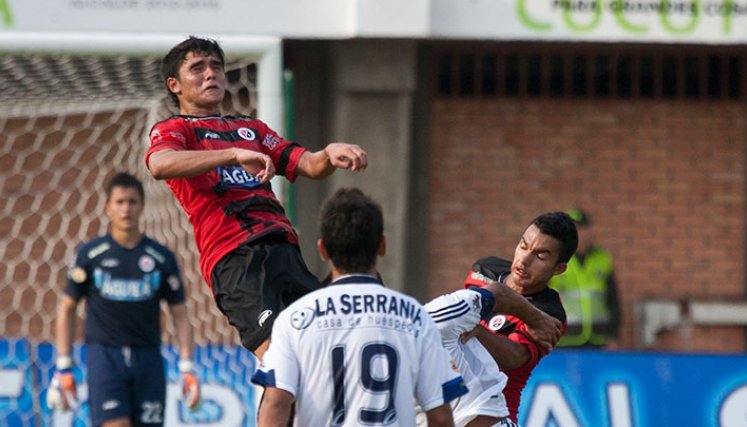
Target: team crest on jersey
{"points": [[475, 302], [247, 134], [146, 263], [497, 322], [270, 141], [237, 177], [301, 319]]}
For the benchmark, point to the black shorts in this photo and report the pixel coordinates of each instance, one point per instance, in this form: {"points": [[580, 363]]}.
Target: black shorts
{"points": [[252, 284]]}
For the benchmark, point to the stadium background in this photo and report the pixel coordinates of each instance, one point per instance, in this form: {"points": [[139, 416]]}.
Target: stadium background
{"points": [[473, 126]]}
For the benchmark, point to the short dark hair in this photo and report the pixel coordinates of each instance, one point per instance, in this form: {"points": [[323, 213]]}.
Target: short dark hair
{"points": [[173, 60], [124, 180], [352, 227], [561, 226]]}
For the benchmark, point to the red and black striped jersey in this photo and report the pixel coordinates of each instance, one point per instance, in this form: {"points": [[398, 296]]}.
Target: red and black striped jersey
{"points": [[513, 328], [227, 206]]}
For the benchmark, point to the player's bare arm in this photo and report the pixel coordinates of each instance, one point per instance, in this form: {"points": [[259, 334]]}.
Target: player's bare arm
{"points": [[170, 164], [337, 155], [440, 416], [190, 383], [183, 330], [65, 325], [275, 408], [509, 354], [545, 329]]}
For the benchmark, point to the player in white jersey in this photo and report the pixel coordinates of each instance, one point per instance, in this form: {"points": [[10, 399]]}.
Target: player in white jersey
{"points": [[456, 315], [355, 353]]}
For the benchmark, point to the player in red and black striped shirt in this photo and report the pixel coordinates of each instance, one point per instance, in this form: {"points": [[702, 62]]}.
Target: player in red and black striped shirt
{"points": [[542, 252], [219, 168]]}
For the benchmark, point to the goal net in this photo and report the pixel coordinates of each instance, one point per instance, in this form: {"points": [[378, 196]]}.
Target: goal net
{"points": [[67, 124], [69, 120]]}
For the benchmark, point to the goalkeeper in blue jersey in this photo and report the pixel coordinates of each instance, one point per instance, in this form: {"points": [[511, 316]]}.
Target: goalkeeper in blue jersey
{"points": [[123, 275]]}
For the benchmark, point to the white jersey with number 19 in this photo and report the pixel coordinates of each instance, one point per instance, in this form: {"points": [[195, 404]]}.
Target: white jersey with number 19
{"points": [[356, 353]]}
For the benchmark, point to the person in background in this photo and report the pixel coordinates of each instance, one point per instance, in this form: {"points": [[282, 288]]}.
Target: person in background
{"points": [[123, 275], [588, 291]]}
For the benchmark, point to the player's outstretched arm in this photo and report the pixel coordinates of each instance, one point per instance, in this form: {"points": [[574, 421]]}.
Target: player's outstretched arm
{"points": [[337, 155], [275, 408], [440, 416], [170, 164]]}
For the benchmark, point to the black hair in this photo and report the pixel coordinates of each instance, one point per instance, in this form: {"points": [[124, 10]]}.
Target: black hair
{"points": [[352, 227], [125, 180], [562, 227], [173, 60]]}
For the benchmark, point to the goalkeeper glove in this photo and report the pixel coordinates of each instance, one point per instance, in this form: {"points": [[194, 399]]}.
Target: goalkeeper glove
{"points": [[61, 394], [190, 384]]}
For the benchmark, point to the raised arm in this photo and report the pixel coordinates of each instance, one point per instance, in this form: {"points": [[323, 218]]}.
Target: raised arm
{"points": [[322, 163], [169, 164]]}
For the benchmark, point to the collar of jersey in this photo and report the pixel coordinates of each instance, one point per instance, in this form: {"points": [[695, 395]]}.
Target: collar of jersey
{"points": [[209, 116], [358, 279]]}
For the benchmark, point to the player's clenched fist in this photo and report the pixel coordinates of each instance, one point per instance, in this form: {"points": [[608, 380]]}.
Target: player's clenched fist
{"points": [[61, 394], [347, 156], [190, 384]]}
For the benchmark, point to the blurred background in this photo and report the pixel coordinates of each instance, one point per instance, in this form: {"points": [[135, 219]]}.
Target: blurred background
{"points": [[477, 116]]}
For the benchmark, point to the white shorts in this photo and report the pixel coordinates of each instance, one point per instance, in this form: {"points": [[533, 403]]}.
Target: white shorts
{"points": [[485, 383], [455, 314]]}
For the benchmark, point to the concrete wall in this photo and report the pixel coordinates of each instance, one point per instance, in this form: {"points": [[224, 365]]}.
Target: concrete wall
{"points": [[361, 92]]}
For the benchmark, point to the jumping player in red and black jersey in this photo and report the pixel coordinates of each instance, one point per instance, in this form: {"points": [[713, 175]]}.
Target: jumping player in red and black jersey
{"points": [[219, 168], [543, 251]]}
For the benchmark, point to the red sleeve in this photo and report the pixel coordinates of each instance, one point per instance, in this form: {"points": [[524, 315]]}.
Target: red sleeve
{"points": [[535, 353], [284, 154], [169, 134], [475, 279]]}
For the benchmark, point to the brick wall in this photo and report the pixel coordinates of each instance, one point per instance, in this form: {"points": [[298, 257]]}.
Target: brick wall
{"points": [[663, 181]]}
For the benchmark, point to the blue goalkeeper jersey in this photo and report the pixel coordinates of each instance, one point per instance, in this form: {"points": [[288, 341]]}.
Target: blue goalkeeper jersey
{"points": [[124, 288]]}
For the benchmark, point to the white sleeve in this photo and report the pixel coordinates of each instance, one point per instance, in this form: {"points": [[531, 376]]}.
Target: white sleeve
{"points": [[455, 314], [280, 366], [438, 379]]}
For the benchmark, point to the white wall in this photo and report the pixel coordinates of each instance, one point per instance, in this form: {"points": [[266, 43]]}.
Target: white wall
{"points": [[685, 21]]}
